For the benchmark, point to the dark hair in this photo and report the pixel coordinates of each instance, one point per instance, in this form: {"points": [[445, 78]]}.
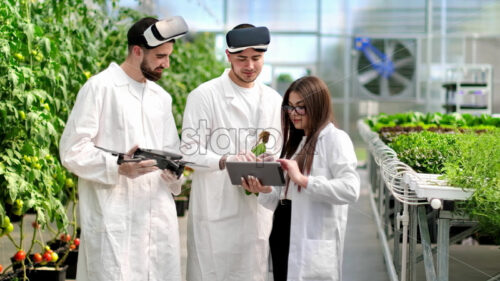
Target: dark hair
{"points": [[316, 98], [243, 25], [135, 33]]}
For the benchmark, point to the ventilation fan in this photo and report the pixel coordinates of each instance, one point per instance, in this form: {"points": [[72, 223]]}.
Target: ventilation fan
{"points": [[385, 68]]}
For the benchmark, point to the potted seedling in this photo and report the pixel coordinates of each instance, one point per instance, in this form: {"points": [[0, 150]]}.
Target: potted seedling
{"points": [[182, 200]]}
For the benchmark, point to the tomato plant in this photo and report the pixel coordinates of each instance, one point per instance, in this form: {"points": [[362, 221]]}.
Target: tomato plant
{"points": [[44, 60]]}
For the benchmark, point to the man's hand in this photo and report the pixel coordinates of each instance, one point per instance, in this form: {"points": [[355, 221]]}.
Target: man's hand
{"points": [[266, 157], [242, 156], [133, 170], [169, 176]]}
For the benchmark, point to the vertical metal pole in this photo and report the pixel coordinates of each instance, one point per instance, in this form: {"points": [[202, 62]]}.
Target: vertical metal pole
{"points": [[404, 254], [318, 36], [397, 235], [443, 247], [429, 53], [224, 16], [387, 200], [474, 49], [381, 197], [412, 271], [443, 33], [347, 64], [430, 272]]}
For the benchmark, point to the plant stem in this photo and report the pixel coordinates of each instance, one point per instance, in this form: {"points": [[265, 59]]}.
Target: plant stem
{"points": [[21, 227], [21, 232], [34, 236], [13, 242], [52, 230]]}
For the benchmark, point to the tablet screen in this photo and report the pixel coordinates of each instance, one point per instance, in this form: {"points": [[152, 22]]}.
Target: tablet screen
{"points": [[269, 173]]}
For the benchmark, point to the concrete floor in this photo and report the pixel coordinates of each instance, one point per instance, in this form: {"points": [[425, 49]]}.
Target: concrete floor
{"points": [[363, 259]]}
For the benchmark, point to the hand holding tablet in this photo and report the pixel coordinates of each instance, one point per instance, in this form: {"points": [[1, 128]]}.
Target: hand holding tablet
{"points": [[268, 173]]}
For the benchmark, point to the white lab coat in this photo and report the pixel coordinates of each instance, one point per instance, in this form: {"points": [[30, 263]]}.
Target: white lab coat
{"points": [[129, 228], [227, 230], [319, 212]]}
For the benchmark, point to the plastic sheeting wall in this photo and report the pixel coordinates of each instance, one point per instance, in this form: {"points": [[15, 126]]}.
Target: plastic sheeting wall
{"points": [[317, 37]]}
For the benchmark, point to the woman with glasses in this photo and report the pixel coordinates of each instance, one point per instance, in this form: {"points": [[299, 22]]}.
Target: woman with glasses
{"points": [[310, 211]]}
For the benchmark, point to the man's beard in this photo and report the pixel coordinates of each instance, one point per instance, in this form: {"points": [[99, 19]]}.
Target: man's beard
{"points": [[148, 73]]}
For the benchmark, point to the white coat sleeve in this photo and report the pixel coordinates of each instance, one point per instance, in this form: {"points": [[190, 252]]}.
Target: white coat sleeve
{"points": [[270, 200], [343, 187], [196, 129], [172, 144], [76, 147]]}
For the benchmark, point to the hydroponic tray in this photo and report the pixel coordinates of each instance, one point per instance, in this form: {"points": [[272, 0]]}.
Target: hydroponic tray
{"points": [[430, 187]]}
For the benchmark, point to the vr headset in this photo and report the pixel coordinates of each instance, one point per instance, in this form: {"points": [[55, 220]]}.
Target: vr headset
{"points": [[257, 38], [165, 30]]}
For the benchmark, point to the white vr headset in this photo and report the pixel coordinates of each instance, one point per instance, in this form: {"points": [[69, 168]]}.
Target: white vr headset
{"points": [[165, 30]]}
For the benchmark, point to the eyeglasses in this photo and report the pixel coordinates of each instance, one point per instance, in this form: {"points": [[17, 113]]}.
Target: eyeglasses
{"points": [[300, 110]]}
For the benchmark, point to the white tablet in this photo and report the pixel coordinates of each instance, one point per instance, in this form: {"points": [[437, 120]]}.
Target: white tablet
{"points": [[269, 173]]}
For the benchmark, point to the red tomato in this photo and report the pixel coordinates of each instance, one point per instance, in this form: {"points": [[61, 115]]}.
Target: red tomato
{"points": [[37, 257], [20, 255], [35, 225], [65, 237], [47, 256], [77, 242], [1, 268], [72, 246]]}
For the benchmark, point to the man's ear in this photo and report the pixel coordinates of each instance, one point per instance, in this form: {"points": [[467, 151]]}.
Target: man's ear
{"points": [[137, 51], [228, 55]]}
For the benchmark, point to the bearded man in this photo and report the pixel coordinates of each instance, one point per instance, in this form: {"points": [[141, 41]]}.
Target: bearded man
{"points": [[129, 227]]}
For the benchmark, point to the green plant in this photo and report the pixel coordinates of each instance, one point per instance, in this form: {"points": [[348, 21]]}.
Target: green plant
{"points": [[285, 78], [453, 120], [425, 152], [468, 158], [49, 49], [478, 167]]}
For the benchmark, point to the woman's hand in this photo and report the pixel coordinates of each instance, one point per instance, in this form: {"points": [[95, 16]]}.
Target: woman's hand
{"points": [[293, 171], [253, 185]]}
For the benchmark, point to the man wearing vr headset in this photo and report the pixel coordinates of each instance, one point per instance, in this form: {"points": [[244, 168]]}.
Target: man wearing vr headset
{"points": [[228, 230], [129, 227]]}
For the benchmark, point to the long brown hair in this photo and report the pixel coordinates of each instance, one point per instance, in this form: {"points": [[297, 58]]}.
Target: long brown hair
{"points": [[316, 98]]}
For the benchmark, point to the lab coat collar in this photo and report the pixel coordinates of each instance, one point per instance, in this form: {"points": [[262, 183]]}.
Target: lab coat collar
{"points": [[120, 75], [325, 130], [230, 93], [121, 78], [228, 85]]}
